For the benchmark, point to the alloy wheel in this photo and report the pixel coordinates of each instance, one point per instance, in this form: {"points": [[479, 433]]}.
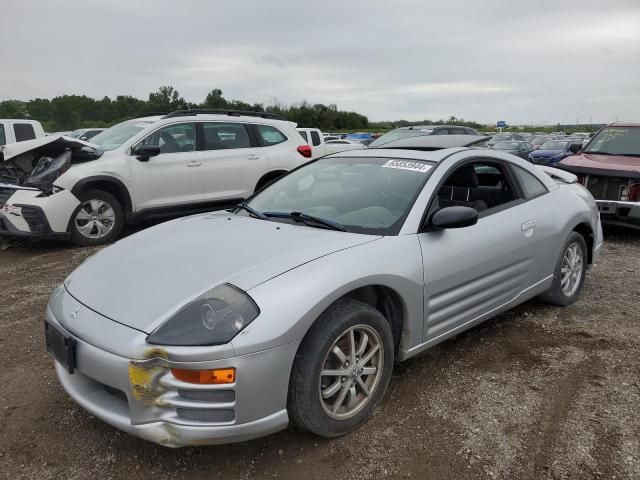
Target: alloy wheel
{"points": [[351, 372], [571, 269], [95, 219]]}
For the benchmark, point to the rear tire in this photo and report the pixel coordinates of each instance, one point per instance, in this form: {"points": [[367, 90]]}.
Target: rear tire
{"points": [[570, 272], [350, 337], [97, 220]]}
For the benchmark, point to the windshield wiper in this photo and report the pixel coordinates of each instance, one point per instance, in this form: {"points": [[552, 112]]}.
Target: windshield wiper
{"points": [[252, 211], [306, 219]]}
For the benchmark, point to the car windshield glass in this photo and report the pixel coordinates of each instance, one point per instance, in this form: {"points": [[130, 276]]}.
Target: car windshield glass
{"points": [[75, 133], [115, 136], [399, 134], [616, 141], [506, 146], [363, 195], [501, 137], [554, 146]]}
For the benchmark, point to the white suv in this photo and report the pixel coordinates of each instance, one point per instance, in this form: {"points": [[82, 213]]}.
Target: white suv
{"points": [[184, 162]]}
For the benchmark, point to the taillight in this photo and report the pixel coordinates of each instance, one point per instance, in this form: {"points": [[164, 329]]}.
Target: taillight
{"points": [[305, 151]]}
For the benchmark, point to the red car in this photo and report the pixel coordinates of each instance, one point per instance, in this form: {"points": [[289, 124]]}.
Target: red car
{"points": [[609, 166]]}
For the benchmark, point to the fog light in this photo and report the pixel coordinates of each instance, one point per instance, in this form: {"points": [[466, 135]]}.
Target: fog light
{"points": [[209, 377]]}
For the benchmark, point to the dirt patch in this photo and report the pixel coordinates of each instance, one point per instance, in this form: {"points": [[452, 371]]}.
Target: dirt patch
{"points": [[538, 392]]}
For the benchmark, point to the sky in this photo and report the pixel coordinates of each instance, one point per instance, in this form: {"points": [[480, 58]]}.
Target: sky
{"points": [[520, 61]]}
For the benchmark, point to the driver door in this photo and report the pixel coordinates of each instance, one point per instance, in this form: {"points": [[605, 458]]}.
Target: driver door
{"points": [[175, 176]]}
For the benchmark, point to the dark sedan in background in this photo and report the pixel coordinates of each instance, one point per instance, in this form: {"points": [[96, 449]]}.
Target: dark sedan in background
{"points": [[521, 149]]}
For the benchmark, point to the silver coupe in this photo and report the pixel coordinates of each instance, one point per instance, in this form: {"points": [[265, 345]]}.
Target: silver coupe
{"points": [[293, 307]]}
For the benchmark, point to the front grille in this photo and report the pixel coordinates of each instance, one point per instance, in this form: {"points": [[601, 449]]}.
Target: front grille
{"points": [[5, 193], [214, 396], [207, 415], [607, 188]]}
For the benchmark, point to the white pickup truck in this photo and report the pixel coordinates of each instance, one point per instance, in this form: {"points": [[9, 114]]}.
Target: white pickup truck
{"points": [[320, 147], [12, 131]]}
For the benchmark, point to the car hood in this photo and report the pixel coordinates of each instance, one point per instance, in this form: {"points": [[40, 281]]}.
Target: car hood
{"points": [[143, 279], [605, 163], [43, 144], [546, 153]]}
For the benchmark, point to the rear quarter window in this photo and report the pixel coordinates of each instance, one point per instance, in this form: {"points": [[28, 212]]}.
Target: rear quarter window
{"points": [[3, 138], [270, 135], [531, 186], [24, 131]]}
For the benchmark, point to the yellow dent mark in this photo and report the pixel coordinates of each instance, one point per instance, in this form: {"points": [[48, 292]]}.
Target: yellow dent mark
{"points": [[142, 378]]}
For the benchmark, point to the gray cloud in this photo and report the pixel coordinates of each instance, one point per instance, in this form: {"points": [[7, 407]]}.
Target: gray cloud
{"points": [[482, 60]]}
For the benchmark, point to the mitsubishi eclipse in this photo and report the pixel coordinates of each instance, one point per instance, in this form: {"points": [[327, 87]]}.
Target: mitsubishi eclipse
{"points": [[293, 307]]}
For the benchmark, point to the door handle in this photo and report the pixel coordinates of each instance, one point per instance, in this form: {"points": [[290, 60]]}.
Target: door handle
{"points": [[528, 225], [194, 163], [253, 156]]}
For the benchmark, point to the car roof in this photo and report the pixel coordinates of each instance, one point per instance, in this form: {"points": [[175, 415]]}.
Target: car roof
{"points": [[436, 142], [429, 156]]}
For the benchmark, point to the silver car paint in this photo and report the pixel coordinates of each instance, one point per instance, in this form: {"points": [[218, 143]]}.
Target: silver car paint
{"points": [[445, 283]]}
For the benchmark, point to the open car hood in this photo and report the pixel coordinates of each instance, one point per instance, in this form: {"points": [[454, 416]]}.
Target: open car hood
{"points": [[603, 164], [40, 146]]}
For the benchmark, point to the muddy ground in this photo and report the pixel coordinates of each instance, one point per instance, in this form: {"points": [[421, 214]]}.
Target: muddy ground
{"points": [[539, 392]]}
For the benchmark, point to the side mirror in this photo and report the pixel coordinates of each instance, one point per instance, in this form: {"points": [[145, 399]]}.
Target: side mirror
{"points": [[575, 147], [454, 217], [145, 152]]}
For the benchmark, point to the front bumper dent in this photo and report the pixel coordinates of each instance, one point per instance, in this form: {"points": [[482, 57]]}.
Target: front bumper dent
{"points": [[143, 398], [24, 213]]}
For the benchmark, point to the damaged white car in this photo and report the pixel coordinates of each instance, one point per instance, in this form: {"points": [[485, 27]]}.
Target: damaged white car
{"points": [[184, 162]]}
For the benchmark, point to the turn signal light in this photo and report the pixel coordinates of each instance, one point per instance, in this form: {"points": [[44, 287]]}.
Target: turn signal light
{"points": [[207, 377], [305, 151]]}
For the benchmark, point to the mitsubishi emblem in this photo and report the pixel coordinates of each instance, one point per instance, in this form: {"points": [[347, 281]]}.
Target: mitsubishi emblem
{"points": [[74, 314]]}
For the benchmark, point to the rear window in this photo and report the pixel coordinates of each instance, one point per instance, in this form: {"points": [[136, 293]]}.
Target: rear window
{"points": [[530, 184], [270, 135], [23, 131], [3, 138]]}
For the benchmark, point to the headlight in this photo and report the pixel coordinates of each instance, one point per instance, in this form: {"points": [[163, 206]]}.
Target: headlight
{"points": [[211, 319]]}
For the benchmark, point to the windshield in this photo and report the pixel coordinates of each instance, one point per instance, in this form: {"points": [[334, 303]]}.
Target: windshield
{"points": [[113, 137], [539, 140], [554, 146], [616, 141], [76, 133], [399, 134], [506, 146], [364, 195]]}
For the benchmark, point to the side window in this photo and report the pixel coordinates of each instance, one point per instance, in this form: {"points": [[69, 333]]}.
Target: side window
{"points": [[441, 131], [482, 186], [223, 136], [173, 138], [531, 186], [459, 131], [315, 138], [3, 138], [304, 135], [23, 131], [270, 135]]}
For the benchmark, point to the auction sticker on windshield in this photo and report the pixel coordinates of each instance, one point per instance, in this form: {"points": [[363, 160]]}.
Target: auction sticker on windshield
{"points": [[407, 165]]}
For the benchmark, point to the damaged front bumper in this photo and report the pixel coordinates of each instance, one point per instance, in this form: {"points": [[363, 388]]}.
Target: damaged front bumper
{"points": [[143, 398], [626, 214], [26, 212]]}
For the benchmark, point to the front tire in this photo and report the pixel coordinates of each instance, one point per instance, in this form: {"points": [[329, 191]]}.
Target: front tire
{"points": [[98, 219], [341, 370], [570, 272]]}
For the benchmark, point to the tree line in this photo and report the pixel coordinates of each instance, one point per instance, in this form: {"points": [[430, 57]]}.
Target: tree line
{"points": [[68, 112]]}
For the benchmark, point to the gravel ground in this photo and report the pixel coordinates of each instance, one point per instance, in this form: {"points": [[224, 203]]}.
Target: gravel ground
{"points": [[538, 392]]}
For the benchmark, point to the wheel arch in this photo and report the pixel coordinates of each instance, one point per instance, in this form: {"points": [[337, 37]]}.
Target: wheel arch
{"points": [[587, 233], [108, 184]]}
